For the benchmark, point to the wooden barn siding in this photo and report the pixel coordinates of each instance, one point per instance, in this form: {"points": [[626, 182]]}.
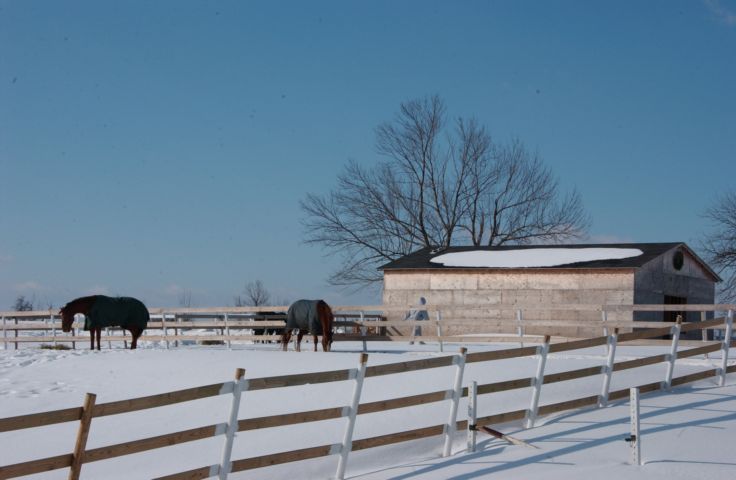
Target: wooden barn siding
{"points": [[513, 288], [659, 278]]}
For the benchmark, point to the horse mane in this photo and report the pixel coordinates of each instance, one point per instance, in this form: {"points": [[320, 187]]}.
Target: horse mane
{"points": [[88, 298]]}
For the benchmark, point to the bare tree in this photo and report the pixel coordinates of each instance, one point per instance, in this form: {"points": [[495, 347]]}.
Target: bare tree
{"points": [[23, 304], [254, 295], [720, 244], [435, 189]]}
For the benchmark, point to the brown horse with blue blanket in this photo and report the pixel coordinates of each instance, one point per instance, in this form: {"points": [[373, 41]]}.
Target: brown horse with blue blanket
{"points": [[313, 316], [101, 311]]}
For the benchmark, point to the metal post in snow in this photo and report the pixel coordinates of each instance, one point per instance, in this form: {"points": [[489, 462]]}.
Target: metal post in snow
{"points": [[612, 341], [531, 414], [472, 415], [457, 391], [439, 331], [232, 424], [347, 439], [673, 353], [725, 347], [604, 319], [227, 330], [635, 438]]}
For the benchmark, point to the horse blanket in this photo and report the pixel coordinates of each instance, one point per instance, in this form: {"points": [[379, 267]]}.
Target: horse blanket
{"points": [[125, 312], [302, 314]]}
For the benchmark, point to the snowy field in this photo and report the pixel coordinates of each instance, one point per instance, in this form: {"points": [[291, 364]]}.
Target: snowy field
{"points": [[687, 434]]}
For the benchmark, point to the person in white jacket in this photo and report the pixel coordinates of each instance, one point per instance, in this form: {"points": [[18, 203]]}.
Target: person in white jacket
{"points": [[417, 314]]}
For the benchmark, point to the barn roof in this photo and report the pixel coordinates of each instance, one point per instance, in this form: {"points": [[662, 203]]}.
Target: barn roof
{"points": [[422, 259]]}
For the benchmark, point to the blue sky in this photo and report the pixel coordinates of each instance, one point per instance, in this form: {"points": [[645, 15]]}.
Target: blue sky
{"points": [[154, 148]]}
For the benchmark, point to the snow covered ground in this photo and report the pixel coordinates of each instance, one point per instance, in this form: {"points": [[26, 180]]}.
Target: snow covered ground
{"points": [[686, 434]]}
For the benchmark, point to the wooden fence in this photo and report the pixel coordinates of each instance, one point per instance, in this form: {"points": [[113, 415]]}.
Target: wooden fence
{"points": [[353, 323], [446, 428]]}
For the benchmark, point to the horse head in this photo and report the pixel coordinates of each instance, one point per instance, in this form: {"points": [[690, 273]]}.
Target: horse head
{"points": [[327, 318], [67, 318]]}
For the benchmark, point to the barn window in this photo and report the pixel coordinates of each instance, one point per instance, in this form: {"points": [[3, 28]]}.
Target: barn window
{"points": [[678, 260]]}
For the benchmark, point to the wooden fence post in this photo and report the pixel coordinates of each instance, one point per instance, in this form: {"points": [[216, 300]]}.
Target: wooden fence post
{"points": [[227, 330], [531, 414], [472, 415], [16, 333], [232, 425], [347, 439], [612, 341], [725, 347], [673, 353], [82, 435], [457, 391], [439, 331]]}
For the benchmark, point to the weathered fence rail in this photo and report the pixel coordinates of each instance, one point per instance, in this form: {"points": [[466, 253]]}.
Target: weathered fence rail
{"points": [[87, 413]]}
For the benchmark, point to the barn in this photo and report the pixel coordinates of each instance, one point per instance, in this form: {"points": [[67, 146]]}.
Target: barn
{"points": [[542, 280]]}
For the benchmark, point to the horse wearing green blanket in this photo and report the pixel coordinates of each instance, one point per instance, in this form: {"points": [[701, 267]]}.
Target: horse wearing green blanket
{"points": [[100, 311], [313, 316]]}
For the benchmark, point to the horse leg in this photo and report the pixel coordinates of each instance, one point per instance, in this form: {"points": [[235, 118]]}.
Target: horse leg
{"points": [[91, 338], [135, 333], [285, 337], [99, 334], [299, 341], [314, 340]]}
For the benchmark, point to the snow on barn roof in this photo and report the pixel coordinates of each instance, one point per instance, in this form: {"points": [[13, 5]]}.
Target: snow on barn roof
{"points": [[532, 257], [582, 256]]}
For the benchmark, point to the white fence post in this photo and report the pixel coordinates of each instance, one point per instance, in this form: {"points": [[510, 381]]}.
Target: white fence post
{"points": [[704, 333], [439, 331], [163, 328], [635, 438], [673, 353], [472, 415], [531, 414], [612, 341], [457, 391], [725, 347], [53, 329], [232, 425], [363, 331], [227, 330], [347, 439], [604, 319]]}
